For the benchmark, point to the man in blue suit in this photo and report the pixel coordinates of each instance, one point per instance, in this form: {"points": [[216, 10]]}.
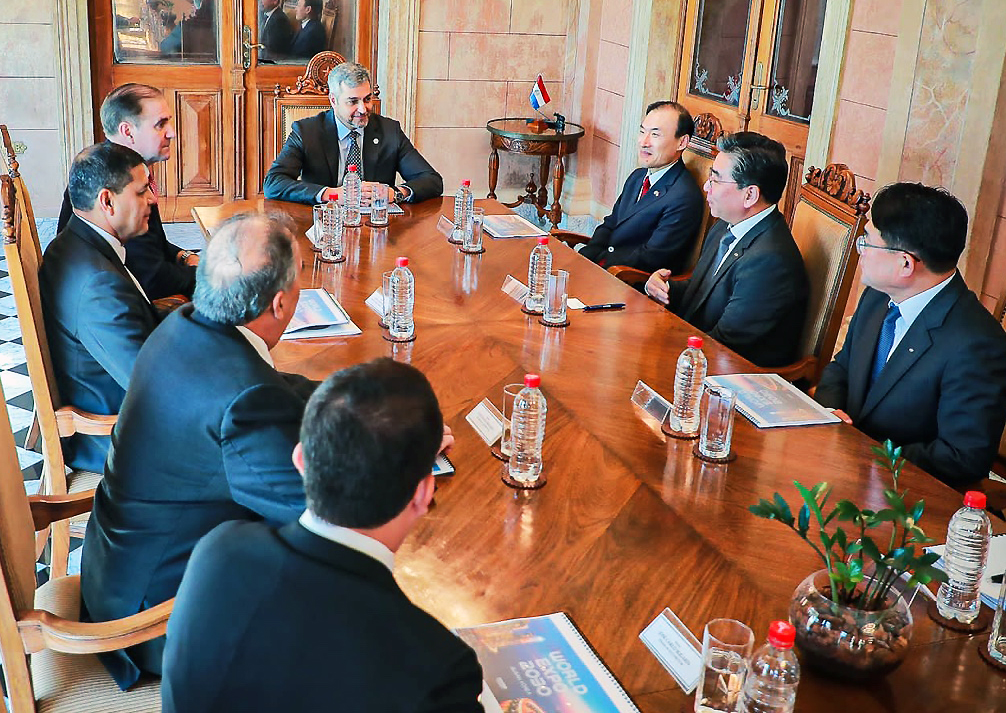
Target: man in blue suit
{"points": [[657, 217], [310, 38], [924, 363]]}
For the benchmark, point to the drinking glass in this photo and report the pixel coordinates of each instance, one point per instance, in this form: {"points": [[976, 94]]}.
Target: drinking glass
{"points": [[379, 210], [331, 232], [555, 297], [717, 422], [510, 392], [386, 294], [319, 227], [472, 242], [726, 650]]}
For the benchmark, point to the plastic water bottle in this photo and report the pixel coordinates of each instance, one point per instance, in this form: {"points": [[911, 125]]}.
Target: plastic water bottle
{"points": [[528, 431], [351, 191], [464, 201], [688, 377], [403, 289], [537, 275], [964, 560], [770, 686]]}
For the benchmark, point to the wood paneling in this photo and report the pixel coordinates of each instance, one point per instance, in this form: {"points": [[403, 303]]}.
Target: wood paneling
{"points": [[199, 125]]}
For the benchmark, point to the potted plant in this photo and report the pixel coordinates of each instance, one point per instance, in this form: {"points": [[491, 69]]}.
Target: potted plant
{"points": [[850, 621]]}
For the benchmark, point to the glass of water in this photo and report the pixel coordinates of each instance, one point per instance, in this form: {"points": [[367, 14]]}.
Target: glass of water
{"points": [[726, 650], [386, 296], [717, 423], [331, 232], [472, 241], [379, 208], [555, 297], [510, 392]]}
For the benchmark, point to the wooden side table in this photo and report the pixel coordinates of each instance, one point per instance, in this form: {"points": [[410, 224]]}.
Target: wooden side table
{"points": [[513, 135]]}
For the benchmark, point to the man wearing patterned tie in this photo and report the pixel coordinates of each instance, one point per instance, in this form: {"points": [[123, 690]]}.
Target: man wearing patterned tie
{"points": [[924, 363], [656, 219], [320, 150], [137, 116], [749, 288]]}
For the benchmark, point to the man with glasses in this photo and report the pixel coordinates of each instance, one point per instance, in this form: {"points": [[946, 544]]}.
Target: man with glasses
{"points": [[749, 288], [924, 363]]}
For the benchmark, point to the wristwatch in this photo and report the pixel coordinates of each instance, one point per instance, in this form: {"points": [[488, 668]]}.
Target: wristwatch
{"points": [[400, 195], [184, 255]]}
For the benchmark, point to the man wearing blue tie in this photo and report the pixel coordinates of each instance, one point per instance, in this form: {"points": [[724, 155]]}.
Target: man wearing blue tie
{"points": [[749, 288], [656, 219], [924, 363]]}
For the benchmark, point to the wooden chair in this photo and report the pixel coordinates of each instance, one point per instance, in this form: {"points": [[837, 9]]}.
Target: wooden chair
{"points": [[48, 654], [56, 419], [829, 215], [698, 159], [307, 98]]}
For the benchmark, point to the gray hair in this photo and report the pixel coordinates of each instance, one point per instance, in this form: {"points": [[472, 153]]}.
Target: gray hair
{"points": [[349, 73], [231, 293], [125, 103]]}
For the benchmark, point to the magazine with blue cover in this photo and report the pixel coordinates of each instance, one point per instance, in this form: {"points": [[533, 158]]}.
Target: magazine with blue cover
{"points": [[542, 664]]}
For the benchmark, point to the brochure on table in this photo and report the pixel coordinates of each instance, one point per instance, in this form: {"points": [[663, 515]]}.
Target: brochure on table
{"points": [[511, 225], [768, 400], [542, 663], [319, 315]]}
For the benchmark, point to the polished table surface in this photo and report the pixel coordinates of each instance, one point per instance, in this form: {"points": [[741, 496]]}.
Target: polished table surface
{"points": [[629, 521]]}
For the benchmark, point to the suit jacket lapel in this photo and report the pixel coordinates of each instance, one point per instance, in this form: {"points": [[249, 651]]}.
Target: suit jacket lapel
{"points": [[658, 191], [331, 147], [704, 264], [84, 231], [916, 342], [373, 137]]}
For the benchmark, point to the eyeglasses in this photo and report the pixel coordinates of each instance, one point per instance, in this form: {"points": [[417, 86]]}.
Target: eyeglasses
{"points": [[862, 245], [710, 179]]}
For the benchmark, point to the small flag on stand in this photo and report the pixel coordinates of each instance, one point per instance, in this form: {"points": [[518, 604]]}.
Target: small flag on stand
{"points": [[539, 95]]}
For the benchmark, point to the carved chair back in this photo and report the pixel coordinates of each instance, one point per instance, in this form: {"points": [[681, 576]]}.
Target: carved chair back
{"points": [[698, 159], [13, 168]]}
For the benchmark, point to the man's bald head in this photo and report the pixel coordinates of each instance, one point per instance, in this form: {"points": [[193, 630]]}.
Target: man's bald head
{"points": [[249, 260]]}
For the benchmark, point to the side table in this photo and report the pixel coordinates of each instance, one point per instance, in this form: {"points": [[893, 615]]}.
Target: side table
{"points": [[514, 135]]}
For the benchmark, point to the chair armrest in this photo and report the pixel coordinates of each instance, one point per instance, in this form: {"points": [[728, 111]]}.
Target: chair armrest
{"points": [[803, 369], [629, 275], [47, 509], [42, 630], [166, 305], [71, 420], [569, 237]]}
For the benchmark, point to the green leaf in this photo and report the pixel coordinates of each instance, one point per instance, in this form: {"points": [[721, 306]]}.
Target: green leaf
{"points": [[870, 549], [803, 520], [846, 510], [894, 499], [764, 509], [782, 507]]}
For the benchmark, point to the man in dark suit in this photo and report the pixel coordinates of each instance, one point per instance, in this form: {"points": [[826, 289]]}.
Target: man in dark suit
{"points": [[749, 288], [656, 219], [204, 441], [137, 116], [316, 155], [924, 363], [274, 31], [265, 614], [310, 39], [96, 314]]}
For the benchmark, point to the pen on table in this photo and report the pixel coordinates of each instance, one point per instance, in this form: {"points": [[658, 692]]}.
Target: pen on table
{"points": [[598, 308]]}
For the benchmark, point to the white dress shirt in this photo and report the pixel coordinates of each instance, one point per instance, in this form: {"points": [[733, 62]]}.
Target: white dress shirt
{"points": [[350, 538], [740, 230], [656, 175], [910, 310], [119, 251], [258, 344]]}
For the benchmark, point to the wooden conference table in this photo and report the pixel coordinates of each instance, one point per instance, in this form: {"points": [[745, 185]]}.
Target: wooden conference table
{"points": [[629, 521]]}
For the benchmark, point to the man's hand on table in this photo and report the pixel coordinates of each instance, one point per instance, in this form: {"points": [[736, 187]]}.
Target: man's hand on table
{"points": [[656, 285], [842, 415], [370, 189], [448, 442]]}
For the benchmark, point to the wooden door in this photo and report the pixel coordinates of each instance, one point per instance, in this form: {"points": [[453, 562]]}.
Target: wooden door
{"points": [[753, 64], [203, 55]]}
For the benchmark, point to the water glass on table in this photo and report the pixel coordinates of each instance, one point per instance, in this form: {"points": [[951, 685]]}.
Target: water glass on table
{"points": [[379, 208], [726, 651], [472, 240], [386, 295], [555, 298], [510, 392], [330, 232], [717, 423]]}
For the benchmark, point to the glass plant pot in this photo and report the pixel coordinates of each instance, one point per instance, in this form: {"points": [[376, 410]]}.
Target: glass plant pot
{"points": [[844, 642]]}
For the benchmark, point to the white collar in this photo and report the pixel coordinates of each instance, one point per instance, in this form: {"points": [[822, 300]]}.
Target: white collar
{"points": [[349, 538], [117, 246], [742, 228], [258, 344], [303, 23], [657, 174], [912, 307]]}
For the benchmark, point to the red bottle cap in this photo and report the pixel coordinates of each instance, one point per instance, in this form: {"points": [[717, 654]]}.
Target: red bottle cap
{"points": [[781, 634], [695, 342], [974, 499], [543, 240], [402, 262], [466, 183], [351, 167], [532, 380]]}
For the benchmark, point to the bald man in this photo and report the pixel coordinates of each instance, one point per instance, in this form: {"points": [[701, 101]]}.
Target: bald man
{"points": [[206, 441]]}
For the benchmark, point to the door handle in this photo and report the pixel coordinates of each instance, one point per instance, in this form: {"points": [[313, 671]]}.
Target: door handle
{"points": [[247, 46], [756, 86]]}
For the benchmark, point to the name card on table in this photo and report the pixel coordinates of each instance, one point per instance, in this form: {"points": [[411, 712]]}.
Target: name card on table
{"points": [[676, 648], [487, 421], [516, 289], [445, 226], [651, 402], [376, 302]]}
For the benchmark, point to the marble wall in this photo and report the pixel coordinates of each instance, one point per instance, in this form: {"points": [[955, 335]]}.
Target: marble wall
{"points": [[30, 97]]}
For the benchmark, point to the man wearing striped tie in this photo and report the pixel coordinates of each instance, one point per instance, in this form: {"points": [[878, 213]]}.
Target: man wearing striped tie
{"points": [[924, 363], [137, 116], [656, 219], [320, 149]]}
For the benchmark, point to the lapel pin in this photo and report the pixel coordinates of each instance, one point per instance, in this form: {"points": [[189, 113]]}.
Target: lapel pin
{"points": [[376, 140], [656, 194], [911, 350]]}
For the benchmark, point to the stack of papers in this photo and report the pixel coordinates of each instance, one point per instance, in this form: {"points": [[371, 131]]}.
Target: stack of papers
{"points": [[768, 400], [319, 315], [511, 226]]}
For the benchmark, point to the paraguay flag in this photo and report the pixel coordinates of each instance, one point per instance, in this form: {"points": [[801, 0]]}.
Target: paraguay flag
{"points": [[539, 95]]}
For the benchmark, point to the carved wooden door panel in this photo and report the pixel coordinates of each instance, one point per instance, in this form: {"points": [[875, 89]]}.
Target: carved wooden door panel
{"points": [[220, 64], [753, 64]]}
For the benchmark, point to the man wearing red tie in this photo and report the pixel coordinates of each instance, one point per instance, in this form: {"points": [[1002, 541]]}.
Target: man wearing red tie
{"points": [[137, 116], [656, 219]]}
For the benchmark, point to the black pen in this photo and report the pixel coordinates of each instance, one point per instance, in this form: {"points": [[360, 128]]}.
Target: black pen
{"points": [[598, 308]]}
